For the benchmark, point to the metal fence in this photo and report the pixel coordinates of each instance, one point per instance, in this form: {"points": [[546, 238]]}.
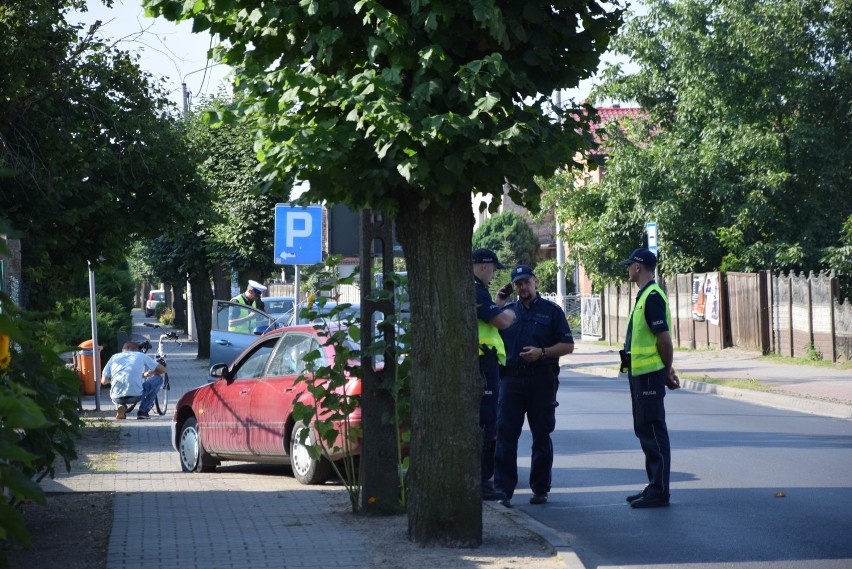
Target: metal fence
{"points": [[583, 312]]}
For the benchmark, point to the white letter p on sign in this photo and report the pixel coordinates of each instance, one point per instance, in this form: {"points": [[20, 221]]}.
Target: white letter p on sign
{"points": [[292, 232]]}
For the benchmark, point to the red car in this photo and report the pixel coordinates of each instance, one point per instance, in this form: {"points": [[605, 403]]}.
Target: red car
{"points": [[246, 413]]}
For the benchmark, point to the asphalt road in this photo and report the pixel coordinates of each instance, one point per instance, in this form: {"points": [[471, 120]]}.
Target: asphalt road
{"points": [[752, 486]]}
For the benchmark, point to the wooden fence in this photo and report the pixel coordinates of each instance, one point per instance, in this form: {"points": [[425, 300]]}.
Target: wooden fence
{"points": [[792, 315]]}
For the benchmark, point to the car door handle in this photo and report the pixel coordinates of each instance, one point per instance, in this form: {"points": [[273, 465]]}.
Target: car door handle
{"points": [[223, 342], [289, 389], [244, 391]]}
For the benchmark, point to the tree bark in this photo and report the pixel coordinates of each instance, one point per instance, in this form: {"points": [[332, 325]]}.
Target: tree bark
{"points": [[445, 507], [221, 282], [202, 301], [179, 305]]}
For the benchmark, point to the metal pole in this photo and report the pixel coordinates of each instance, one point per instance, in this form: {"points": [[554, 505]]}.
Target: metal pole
{"points": [[560, 261], [185, 100], [560, 246], [96, 353], [296, 284]]}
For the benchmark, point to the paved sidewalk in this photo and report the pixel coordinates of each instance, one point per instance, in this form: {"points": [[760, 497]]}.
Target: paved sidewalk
{"points": [[257, 516], [821, 390], [261, 517]]}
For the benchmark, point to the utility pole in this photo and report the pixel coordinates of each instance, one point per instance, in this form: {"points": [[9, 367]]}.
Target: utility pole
{"points": [[560, 246], [185, 100]]}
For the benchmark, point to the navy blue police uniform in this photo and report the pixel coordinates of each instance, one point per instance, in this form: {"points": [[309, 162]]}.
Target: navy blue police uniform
{"points": [[529, 389], [649, 413], [489, 369]]}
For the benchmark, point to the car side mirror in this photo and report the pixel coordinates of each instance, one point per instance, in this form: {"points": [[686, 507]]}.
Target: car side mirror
{"points": [[260, 330], [220, 371]]}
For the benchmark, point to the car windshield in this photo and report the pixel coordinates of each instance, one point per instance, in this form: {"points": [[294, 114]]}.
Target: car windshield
{"points": [[278, 305]]}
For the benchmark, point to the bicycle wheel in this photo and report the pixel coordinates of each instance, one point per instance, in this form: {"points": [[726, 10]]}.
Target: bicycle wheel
{"points": [[162, 400]]}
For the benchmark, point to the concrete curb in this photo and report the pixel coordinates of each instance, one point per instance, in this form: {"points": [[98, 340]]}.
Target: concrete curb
{"points": [[557, 539]]}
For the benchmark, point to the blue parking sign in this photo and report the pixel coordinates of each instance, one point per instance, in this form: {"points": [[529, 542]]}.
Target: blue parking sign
{"points": [[298, 235]]}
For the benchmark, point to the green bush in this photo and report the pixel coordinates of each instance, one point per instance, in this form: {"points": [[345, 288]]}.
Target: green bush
{"points": [[508, 235], [117, 284], [165, 316], [39, 407], [546, 272], [73, 323]]}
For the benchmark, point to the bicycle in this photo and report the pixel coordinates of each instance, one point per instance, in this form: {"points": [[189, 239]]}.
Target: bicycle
{"points": [[161, 402]]}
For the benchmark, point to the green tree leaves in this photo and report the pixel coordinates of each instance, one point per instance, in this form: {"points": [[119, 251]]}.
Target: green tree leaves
{"points": [[90, 153], [744, 156]]}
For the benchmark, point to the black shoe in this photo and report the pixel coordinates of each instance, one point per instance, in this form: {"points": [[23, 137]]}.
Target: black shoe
{"points": [[649, 502], [632, 498], [505, 502], [142, 415], [539, 499], [491, 495]]}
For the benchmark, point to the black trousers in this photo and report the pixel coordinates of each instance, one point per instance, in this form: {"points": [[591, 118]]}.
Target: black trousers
{"points": [[648, 392], [533, 397], [490, 371]]}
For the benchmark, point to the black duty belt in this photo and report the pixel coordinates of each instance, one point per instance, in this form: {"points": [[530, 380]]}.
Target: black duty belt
{"points": [[524, 371]]}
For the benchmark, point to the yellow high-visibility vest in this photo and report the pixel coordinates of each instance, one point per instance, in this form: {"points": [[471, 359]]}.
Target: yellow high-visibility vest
{"points": [[644, 357]]}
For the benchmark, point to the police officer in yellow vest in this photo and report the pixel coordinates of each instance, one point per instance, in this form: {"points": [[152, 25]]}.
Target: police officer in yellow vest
{"points": [[490, 317], [241, 320], [647, 359]]}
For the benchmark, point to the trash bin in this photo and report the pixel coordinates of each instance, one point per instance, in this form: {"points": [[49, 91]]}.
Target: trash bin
{"points": [[86, 367]]}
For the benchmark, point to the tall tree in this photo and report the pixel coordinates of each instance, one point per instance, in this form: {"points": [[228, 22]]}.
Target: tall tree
{"points": [[508, 233], [745, 154], [408, 108], [242, 221], [89, 154]]}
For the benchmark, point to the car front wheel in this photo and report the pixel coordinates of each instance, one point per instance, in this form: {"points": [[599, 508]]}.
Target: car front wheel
{"points": [[306, 469], [193, 457]]}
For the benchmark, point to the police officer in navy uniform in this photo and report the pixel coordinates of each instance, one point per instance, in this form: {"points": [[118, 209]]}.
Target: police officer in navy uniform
{"points": [[647, 359], [528, 386], [490, 319]]}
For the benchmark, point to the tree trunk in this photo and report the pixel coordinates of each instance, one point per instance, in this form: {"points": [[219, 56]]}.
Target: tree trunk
{"points": [[445, 507], [221, 282], [202, 301], [179, 305]]}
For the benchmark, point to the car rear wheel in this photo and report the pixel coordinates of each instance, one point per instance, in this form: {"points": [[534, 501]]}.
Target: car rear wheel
{"points": [[193, 457], [307, 469]]}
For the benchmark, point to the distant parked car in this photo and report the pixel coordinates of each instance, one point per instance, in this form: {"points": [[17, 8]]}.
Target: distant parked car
{"points": [[154, 298], [302, 315], [277, 306], [246, 413]]}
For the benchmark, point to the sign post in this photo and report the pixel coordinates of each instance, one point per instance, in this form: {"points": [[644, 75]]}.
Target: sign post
{"points": [[651, 231]]}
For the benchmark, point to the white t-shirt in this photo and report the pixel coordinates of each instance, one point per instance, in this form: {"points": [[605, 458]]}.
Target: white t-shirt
{"points": [[125, 370]]}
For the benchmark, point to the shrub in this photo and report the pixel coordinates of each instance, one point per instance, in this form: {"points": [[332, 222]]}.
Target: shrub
{"points": [[39, 403], [72, 323], [165, 316]]}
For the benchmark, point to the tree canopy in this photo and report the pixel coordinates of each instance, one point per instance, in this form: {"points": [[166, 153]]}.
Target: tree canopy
{"points": [[744, 153], [408, 108], [508, 235], [89, 153]]}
